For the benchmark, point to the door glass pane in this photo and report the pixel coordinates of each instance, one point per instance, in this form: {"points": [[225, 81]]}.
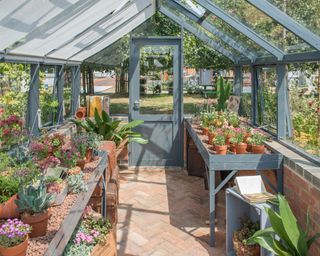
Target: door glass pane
{"points": [[156, 79]]}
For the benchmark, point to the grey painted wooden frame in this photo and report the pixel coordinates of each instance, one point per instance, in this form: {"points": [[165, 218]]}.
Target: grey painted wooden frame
{"points": [[242, 49], [282, 87], [75, 89], [235, 23], [202, 36], [237, 88], [285, 20], [63, 235], [59, 79], [33, 101], [253, 162]]}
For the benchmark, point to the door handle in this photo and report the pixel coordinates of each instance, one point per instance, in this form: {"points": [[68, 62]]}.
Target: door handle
{"points": [[136, 105]]}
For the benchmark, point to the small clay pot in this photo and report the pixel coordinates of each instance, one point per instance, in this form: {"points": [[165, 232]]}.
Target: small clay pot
{"points": [[38, 222], [210, 137], [221, 150], [18, 250], [205, 131], [89, 155], [81, 163], [241, 148], [9, 209], [81, 113], [258, 149]]}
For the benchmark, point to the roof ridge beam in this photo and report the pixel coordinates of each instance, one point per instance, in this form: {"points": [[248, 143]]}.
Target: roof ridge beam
{"points": [[214, 30], [288, 22], [235, 23], [202, 36]]}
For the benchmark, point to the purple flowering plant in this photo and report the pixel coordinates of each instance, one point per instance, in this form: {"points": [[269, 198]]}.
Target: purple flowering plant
{"points": [[13, 232]]}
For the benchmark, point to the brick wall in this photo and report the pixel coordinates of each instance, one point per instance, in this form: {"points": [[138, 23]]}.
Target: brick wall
{"points": [[302, 195]]}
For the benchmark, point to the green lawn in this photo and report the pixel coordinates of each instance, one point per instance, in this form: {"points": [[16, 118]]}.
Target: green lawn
{"points": [[154, 104]]}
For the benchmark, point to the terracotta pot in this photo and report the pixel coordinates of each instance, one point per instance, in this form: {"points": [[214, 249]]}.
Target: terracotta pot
{"points": [[245, 250], [81, 113], [9, 209], [258, 149], [249, 148], [241, 148], [18, 250], [210, 137], [81, 163], [232, 148], [38, 222], [89, 154], [205, 131], [221, 150]]}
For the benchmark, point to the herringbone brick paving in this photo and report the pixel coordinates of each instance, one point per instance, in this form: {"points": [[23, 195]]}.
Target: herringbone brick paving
{"points": [[164, 212]]}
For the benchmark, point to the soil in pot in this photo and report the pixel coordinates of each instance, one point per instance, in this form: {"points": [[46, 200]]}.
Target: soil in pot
{"points": [[241, 148], [38, 222], [221, 150], [18, 250], [258, 149], [9, 209]]}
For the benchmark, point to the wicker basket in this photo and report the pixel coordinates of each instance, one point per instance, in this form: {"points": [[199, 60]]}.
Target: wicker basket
{"points": [[109, 248], [245, 250]]}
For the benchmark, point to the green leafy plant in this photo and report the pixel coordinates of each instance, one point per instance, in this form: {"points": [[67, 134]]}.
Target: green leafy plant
{"points": [[86, 140], [34, 199], [112, 130], [223, 93], [76, 183], [238, 137], [219, 140], [9, 186], [101, 225], [247, 229], [285, 237], [257, 138]]}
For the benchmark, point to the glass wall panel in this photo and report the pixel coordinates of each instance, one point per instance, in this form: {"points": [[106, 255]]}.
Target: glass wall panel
{"points": [[306, 12], [304, 102], [267, 98], [245, 109], [264, 25]]}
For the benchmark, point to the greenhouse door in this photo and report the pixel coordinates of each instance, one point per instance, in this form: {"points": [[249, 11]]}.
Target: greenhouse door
{"points": [[155, 82]]}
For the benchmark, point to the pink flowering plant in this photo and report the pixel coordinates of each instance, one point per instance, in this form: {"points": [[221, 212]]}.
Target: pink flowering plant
{"points": [[68, 156], [13, 232], [12, 132]]}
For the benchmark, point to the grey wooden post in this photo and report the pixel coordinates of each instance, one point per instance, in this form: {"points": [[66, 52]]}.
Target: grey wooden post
{"points": [[254, 95], [75, 88], [282, 85], [237, 85], [59, 86], [33, 101], [212, 200]]}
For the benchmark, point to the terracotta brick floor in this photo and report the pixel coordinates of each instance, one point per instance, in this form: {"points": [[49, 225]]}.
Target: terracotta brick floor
{"points": [[164, 212]]}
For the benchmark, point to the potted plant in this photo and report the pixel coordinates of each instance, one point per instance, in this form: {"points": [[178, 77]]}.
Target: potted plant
{"points": [[211, 134], [241, 248], [285, 236], [257, 142], [86, 143], [76, 183], [237, 140], [34, 203], [69, 157], [9, 186], [220, 144], [14, 238]]}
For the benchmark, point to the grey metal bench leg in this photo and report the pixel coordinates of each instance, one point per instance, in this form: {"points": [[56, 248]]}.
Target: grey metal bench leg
{"points": [[212, 207], [280, 180]]}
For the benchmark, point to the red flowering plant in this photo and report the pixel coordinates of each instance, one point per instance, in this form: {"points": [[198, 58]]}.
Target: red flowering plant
{"points": [[12, 132], [68, 156]]}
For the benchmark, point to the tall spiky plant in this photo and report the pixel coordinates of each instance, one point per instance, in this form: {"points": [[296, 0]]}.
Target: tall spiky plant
{"points": [[223, 93]]}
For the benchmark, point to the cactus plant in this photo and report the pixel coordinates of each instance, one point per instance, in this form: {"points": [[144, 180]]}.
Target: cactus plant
{"points": [[34, 199], [223, 93], [76, 183]]}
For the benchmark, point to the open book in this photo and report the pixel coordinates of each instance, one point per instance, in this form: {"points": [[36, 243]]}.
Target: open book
{"points": [[253, 189]]}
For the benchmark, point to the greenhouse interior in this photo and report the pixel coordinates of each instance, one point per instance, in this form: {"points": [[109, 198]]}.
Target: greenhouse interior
{"points": [[159, 127]]}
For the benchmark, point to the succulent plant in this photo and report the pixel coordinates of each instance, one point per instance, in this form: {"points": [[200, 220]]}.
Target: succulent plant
{"points": [[76, 183], [34, 199]]}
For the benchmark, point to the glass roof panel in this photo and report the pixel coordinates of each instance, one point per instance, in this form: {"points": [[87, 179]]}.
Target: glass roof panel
{"points": [[264, 25], [238, 36], [306, 12], [201, 29]]}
